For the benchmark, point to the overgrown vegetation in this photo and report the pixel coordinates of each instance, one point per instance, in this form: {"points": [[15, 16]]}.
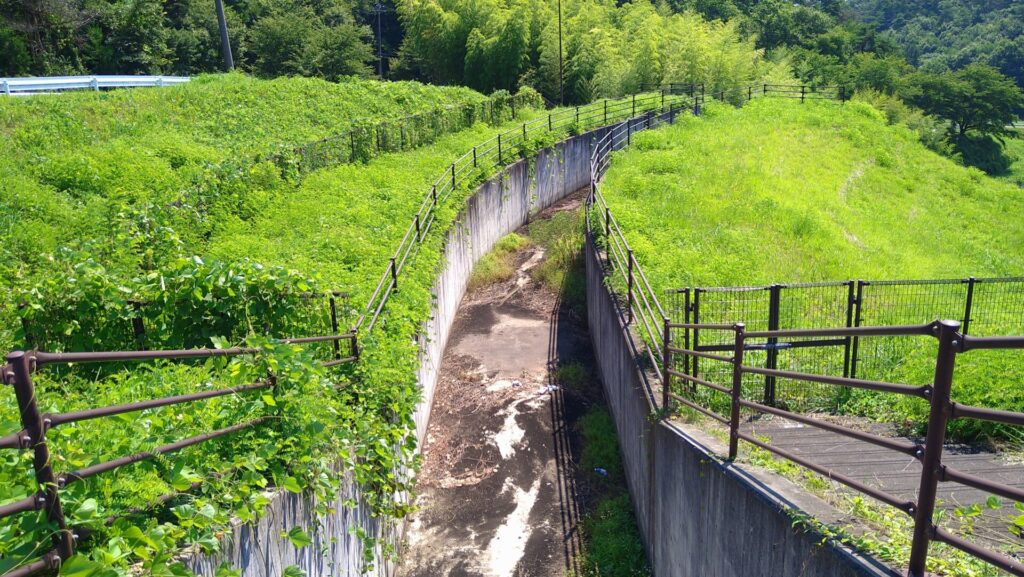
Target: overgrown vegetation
{"points": [[246, 283], [611, 540], [497, 265]]}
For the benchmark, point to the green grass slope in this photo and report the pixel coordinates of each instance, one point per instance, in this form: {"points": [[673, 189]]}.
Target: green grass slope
{"points": [[128, 176], [783, 192]]}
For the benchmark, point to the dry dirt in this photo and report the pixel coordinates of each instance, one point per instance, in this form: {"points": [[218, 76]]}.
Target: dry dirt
{"points": [[498, 491]]}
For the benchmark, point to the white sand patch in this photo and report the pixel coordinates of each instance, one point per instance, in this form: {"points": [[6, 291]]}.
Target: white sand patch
{"points": [[511, 434], [509, 542]]}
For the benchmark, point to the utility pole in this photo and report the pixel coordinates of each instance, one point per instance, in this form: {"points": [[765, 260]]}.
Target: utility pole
{"points": [[561, 73], [225, 44], [378, 10]]}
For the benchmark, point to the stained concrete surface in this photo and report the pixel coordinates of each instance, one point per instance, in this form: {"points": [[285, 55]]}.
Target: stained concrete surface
{"points": [[499, 494]]}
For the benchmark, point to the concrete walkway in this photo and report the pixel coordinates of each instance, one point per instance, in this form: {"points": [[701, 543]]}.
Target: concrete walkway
{"points": [[498, 495], [900, 474]]}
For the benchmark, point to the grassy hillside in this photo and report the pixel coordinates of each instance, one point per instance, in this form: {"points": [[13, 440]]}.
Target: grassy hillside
{"points": [[779, 192], [783, 192], [107, 172]]}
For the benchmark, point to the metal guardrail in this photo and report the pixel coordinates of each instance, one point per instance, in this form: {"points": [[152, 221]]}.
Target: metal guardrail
{"points": [[34, 85], [21, 365], [644, 313]]}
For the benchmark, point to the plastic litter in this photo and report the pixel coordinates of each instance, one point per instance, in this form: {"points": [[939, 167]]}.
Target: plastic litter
{"points": [[601, 471], [548, 389]]}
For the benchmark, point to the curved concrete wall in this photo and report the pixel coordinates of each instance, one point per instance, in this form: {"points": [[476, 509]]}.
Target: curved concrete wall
{"points": [[498, 207]]}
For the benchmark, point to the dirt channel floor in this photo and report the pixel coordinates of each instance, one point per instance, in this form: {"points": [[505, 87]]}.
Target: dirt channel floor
{"points": [[499, 492]]}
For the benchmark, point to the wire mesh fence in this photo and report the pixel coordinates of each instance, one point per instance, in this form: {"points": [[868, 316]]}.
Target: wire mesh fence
{"points": [[984, 306]]}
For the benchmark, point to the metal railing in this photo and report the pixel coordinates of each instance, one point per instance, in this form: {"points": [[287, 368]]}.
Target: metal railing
{"points": [[33, 85], [984, 306], [952, 342], [21, 365], [644, 315]]}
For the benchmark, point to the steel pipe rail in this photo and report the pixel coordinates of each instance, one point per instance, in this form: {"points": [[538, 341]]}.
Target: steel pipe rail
{"points": [[32, 85]]}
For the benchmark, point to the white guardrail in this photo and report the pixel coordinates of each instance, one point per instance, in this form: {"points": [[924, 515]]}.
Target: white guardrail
{"points": [[34, 85]]}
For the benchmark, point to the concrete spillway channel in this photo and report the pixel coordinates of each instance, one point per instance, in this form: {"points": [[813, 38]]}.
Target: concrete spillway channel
{"points": [[499, 494]]}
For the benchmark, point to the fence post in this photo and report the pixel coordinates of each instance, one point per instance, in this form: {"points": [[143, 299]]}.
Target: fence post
{"points": [[7, 87], [401, 144], [737, 391], [138, 326], [334, 321], [851, 299], [803, 91], [512, 101], [500, 161], [453, 177], [629, 282], [629, 131], [634, 105], [662, 99], [686, 332], [18, 372], [433, 194], [764, 90], [549, 121], [474, 157], [416, 219], [858, 306], [577, 118], [605, 111], [394, 274], [772, 356], [931, 464], [968, 305], [666, 364], [696, 332]]}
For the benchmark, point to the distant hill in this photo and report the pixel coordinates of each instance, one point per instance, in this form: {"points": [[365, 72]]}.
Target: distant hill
{"points": [[949, 34]]}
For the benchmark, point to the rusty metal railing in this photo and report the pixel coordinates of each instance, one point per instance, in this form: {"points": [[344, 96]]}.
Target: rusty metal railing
{"points": [[643, 313], [18, 371]]}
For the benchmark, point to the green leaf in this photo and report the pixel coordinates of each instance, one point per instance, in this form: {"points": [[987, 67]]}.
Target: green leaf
{"points": [[269, 400], [79, 566], [293, 571], [993, 502], [299, 537], [87, 510], [225, 570], [291, 484]]}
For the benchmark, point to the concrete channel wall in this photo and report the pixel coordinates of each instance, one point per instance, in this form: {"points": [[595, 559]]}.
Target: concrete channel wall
{"points": [[498, 207], [699, 516]]}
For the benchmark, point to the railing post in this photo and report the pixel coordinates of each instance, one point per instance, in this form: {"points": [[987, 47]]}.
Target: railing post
{"points": [[931, 464], [474, 157], [968, 305], [772, 356], [401, 144], [453, 177], [394, 274], [629, 283], [686, 332], [634, 105], [138, 325], [750, 93], [737, 391], [666, 385], [500, 161], [607, 222], [512, 101], [803, 92], [851, 299], [7, 87], [334, 323], [605, 111], [577, 117], [416, 219], [433, 194], [858, 308], [662, 99], [19, 374], [549, 121], [764, 90], [696, 332], [629, 131]]}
